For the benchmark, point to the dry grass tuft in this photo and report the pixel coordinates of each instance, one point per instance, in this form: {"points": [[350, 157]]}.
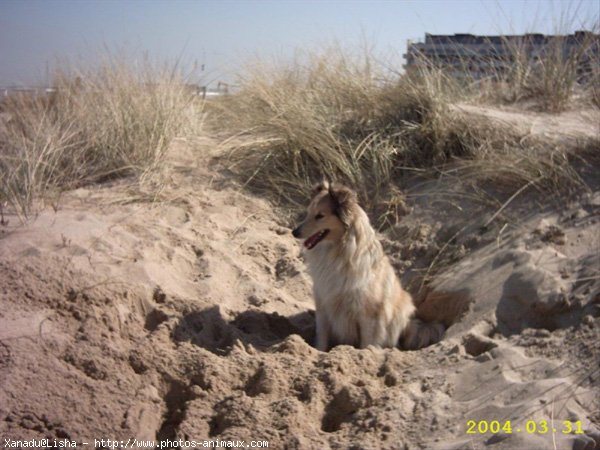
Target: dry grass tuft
{"points": [[551, 78], [308, 119], [99, 124], [335, 115]]}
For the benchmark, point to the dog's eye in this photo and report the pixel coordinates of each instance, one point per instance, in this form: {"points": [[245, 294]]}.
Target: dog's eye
{"points": [[319, 216]]}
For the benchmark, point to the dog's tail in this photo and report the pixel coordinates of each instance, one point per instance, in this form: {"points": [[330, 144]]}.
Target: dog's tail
{"points": [[419, 334]]}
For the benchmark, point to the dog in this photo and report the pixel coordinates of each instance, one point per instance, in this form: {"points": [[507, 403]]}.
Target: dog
{"points": [[358, 297]]}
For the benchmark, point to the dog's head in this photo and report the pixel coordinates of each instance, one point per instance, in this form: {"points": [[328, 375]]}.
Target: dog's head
{"points": [[330, 214]]}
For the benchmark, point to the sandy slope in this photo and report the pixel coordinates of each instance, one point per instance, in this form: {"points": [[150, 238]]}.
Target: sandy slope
{"points": [[190, 318]]}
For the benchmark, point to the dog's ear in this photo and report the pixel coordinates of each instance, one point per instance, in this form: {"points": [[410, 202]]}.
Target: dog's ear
{"points": [[320, 187], [344, 201]]}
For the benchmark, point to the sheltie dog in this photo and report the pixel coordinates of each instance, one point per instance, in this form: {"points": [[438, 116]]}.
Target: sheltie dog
{"points": [[359, 299]]}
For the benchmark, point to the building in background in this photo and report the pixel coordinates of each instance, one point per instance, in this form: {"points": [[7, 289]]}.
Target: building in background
{"points": [[480, 57]]}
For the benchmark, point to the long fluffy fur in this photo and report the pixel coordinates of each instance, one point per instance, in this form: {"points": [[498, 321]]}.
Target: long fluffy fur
{"points": [[359, 299]]}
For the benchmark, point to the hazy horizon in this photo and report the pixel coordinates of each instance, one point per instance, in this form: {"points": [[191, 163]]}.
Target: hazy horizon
{"points": [[36, 35]]}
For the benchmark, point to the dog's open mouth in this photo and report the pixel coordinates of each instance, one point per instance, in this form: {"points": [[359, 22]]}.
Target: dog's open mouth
{"points": [[315, 239]]}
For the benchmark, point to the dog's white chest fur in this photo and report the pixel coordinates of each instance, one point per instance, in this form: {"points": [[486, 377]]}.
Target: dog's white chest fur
{"points": [[337, 294], [334, 276]]}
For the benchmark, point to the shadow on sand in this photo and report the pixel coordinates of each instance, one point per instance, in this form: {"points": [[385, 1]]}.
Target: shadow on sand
{"points": [[208, 329]]}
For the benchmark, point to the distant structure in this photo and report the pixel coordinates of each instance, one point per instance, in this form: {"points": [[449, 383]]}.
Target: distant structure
{"points": [[479, 57], [11, 90], [205, 91]]}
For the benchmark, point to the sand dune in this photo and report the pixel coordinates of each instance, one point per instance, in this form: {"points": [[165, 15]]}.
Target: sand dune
{"points": [[192, 318]]}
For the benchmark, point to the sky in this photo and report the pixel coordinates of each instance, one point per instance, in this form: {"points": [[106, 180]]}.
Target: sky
{"points": [[219, 36]]}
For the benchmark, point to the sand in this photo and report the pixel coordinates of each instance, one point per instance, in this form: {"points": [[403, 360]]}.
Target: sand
{"points": [[191, 318]]}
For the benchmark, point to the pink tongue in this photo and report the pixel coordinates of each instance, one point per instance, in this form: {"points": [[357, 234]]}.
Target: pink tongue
{"points": [[310, 242]]}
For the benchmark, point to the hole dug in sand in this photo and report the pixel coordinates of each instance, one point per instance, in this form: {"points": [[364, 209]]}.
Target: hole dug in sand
{"points": [[445, 307], [209, 329]]}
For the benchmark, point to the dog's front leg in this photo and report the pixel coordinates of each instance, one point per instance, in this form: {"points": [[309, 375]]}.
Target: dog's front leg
{"points": [[372, 332], [322, 332]]}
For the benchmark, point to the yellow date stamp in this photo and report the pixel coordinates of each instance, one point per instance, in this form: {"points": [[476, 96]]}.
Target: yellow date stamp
{"points": [[529, 427]]}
